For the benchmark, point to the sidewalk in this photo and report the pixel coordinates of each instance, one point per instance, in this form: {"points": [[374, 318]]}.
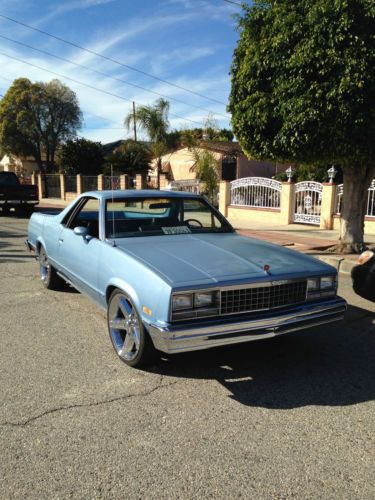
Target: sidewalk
{"points": [[307, 239]]}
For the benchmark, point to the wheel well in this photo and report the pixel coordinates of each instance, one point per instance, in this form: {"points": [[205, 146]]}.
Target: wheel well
{"points": [[108, 292]]}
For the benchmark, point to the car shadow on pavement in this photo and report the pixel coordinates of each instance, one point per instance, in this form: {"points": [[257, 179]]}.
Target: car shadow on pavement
{"points": [[332, 365]]}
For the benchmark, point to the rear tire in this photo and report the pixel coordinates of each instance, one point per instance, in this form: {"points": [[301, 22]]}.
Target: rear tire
{"points": [[129, 338], [48, 275]]}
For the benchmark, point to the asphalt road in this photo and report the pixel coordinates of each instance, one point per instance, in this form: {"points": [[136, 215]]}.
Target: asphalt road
{"points": [[292, 417]]}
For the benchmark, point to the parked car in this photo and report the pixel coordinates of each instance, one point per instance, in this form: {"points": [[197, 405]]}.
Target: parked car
{"points": [[13, 194], [363, 276], [174, 276]]}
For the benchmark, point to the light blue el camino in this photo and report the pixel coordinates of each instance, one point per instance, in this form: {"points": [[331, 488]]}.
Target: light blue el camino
{"points": [[174, 276]]}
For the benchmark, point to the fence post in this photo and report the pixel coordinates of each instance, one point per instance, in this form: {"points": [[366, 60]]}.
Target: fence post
{"points": [[163, 181], [124, 182], [327, 208], [40, 187], [139, 181], [62, 186], [100, 182], [34, 179], [79, 184], [224, 197], [286, 203]]}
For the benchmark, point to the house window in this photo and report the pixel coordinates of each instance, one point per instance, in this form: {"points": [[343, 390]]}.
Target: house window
{"points": [[228, 168]]}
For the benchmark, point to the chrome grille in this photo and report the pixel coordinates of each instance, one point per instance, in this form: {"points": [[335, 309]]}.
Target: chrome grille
{"points": [[262, 297]]}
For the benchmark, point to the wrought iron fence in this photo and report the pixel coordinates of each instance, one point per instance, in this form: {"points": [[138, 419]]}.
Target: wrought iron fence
{"points": [[370, 204], [187, 185], [257, 192], [111, 182], [307, 202], [52, 186], [89, 183], [71, 183], [370, 212]]}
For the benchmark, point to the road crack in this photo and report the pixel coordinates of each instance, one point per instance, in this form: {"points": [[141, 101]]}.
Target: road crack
{"points": [[51, 411]]}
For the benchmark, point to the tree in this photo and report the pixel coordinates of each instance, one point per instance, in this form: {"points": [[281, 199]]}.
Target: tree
{"points": [[303, 89], [154, 121], [36, 118], [129, 158], [81, 156], [206, 168]]}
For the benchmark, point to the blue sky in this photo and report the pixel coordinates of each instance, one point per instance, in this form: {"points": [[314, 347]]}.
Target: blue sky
{"points": [[187, 42]]}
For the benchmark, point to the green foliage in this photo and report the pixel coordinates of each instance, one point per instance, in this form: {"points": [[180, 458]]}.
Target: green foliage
{"points": [[303, 83], [130, 158], [318, 173], [81, 156], [154, 121], [206, 168], [35, 118], [303, 89]]}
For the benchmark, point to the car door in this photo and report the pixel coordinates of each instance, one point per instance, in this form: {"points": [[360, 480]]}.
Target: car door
{"points": [[79, 256]]}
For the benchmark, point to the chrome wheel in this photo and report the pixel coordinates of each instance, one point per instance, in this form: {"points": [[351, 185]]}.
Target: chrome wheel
{"points": [[47, 273], [128, 335], [124, 327], [44, 266]]}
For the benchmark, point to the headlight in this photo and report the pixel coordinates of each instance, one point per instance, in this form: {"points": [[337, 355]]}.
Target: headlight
{"points": [[199, 304], [204, 299], [313, 285], [182, 301], [327, 282], [365, 257], [325, 286]]}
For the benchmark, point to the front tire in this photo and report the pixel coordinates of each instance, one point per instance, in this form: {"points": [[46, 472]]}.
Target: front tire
{"points": [[48, 275], [127, 333]]}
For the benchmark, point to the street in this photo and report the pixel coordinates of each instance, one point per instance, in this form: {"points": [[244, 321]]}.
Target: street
{"points": [[292, 417]]}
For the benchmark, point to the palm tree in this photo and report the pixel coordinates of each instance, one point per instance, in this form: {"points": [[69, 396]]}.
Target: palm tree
{"points": [[154, 121]]}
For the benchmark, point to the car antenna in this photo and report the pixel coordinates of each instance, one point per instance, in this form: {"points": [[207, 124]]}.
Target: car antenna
{"points": [[113, 210]]}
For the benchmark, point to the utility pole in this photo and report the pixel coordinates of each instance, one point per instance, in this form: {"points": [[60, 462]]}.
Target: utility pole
{"points": [[134, 123]]}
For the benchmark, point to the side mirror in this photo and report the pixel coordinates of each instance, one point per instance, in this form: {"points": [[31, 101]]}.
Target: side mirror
{"points": [[81, 231]]}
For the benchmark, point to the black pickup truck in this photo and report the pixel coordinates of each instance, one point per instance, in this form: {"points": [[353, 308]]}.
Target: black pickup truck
{"points": [[13, 194]]}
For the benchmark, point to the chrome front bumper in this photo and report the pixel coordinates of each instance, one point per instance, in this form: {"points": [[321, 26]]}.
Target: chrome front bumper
{"points": [[203, 335]]}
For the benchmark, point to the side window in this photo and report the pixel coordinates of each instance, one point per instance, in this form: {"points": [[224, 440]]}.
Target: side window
{"points": [[199, 215], [87, 216]]}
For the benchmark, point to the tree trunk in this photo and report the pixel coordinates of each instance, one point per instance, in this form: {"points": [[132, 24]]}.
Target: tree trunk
{"points": [[354, 201]]}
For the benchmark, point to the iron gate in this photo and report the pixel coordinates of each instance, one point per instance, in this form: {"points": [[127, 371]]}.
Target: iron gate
{"points": [[307, 202]]}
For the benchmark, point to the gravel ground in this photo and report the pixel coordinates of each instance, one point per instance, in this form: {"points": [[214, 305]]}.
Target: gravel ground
{"points": [[292, 417]]}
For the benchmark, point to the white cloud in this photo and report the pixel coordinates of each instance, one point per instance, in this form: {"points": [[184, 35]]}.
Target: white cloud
{"points": [[63, 8]]}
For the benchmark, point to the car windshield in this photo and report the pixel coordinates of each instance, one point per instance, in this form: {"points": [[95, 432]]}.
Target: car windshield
{"points": [[126, 217]]}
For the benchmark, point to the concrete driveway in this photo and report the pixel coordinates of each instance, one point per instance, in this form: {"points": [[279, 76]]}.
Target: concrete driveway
{"points": [[292, 417]]}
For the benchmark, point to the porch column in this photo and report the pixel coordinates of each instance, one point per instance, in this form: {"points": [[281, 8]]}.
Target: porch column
{"points": [[328, 205], [224, 197], [100, 182], [286, 203], [62, 186]]}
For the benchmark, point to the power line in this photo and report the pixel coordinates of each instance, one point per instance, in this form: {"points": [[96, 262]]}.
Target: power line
{"points": [[109, 76], [88, 85], [132, 68], [233, 3]]}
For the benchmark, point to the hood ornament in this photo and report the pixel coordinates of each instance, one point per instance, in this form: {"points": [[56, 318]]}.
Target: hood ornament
{"points": [[266, 267]]}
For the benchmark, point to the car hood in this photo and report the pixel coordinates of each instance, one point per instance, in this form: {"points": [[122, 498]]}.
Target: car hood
{"points": [[209, 259]]}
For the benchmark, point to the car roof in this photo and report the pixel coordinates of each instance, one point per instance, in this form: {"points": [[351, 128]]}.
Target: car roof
{"points": [[139, 193]]}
